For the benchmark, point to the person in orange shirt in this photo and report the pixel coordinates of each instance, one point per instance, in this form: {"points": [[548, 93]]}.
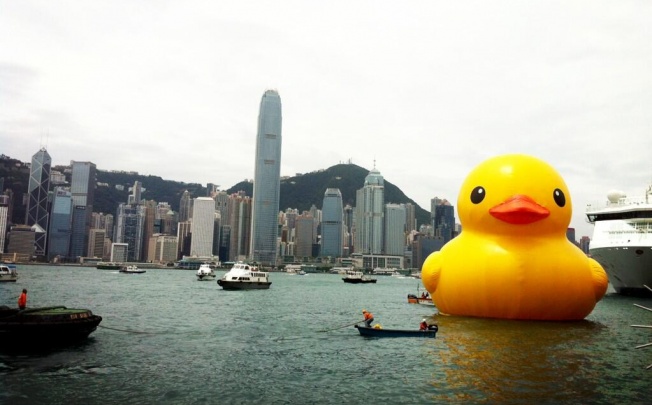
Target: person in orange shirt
{"points": [[368, 318], [22, 300]]}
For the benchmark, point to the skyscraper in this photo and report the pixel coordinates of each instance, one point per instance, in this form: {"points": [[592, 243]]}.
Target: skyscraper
{"points": [[267, 176], [444, 221], [370, 211], [82, 188], [202, 228], [395, 238], [185, 207], [331, 225], [37, 203], [60, 225]]}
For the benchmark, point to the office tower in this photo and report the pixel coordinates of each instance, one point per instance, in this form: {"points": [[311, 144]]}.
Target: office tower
{"points": [[119, 252], [239, 223], [349, 229], [136, 192], [203, 218], [183, 238], [185, 207], [96, 238], [130, 229], [304, 236], [395, 235], [60, 227], [4, 220], [37, 199], [370, 211], [443, 225], [331, 225], [82, 187], [410, 217], [21, 241], [164, 250], [149, 208], [264, 226]]}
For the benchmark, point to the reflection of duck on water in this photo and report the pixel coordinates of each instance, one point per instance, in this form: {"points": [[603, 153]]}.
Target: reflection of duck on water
{"points": [[513, 259]]}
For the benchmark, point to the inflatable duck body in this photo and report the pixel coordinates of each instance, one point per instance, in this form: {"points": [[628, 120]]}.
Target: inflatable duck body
{"points": [[512, 259]]}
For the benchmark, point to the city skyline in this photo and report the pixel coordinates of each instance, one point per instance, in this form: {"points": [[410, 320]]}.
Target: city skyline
{"points": [[429, 93]]}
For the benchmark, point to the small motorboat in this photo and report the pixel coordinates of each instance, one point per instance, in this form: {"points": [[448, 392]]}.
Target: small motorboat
{"points": [[381, 332], [45, 326], [415, 299], [8, 273], [245, 276], [132, 269], [205, 273], [357, 277]]}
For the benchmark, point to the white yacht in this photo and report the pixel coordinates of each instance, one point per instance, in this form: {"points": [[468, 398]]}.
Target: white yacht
{"points": [[622, 240], [245, 276], [205, 273]]}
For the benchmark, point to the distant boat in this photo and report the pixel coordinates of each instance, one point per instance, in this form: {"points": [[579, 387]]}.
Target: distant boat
{"points": [[340, 270], [393, 333], [294, 269], [415, 299], [8, 273], [357, 277], [108, 266], [205, 273], [245, 276], [132, 269], [378, 271]]}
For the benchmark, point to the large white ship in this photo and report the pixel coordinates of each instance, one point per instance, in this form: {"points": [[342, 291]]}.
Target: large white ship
{"points": [[622, 240]]}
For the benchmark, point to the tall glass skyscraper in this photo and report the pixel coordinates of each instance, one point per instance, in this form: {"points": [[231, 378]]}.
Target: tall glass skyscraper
{"points": [[60, 225], [267, 180], [370, 211], [331, 225], [82, 187], [37, 203]]}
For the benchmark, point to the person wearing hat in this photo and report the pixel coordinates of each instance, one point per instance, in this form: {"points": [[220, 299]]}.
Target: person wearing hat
{"points": [[22, 300], [368, 318]]}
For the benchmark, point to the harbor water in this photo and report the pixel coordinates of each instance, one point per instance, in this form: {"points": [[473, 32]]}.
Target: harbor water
{"points": [[167, 338]]}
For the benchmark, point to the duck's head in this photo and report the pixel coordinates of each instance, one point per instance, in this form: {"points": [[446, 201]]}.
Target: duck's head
{"points": [[514, 194]]}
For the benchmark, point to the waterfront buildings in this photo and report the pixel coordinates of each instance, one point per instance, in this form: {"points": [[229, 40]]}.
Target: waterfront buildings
{"points": [[266, 192], [37, 199], [331, 224]]}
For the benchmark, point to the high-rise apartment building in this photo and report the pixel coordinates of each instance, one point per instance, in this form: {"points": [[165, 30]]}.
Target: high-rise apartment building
{"points": [[202, 228], [82, 187], [370, 211], [37, 199], [331, 224], [267, 176]]}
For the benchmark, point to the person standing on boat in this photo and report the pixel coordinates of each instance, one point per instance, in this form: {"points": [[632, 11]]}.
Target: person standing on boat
{"points": [[368, 318], [22, 300], [423, 325]]}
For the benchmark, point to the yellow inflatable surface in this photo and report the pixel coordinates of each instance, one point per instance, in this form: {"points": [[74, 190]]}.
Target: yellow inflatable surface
{"points": [[512, 259]]}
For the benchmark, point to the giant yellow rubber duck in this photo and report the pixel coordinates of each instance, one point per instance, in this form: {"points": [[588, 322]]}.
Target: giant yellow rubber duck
{"points": [[512, 259]]}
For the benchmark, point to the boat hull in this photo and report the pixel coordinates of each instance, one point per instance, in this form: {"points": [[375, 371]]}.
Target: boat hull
{"points": [[51, 325], [358, 281], [413, 299], [629, 268], [395, 333], [243, 285], [205, 277]]}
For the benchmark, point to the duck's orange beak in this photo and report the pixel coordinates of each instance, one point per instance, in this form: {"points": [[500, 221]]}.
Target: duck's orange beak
{"points": [[519, 210]]}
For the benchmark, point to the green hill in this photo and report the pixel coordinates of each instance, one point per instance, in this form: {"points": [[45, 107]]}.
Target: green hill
{"points": [[300, 192]]}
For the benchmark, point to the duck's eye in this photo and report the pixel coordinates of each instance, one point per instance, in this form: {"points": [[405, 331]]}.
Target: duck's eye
{"points": [[559, 197], [477, 195]]}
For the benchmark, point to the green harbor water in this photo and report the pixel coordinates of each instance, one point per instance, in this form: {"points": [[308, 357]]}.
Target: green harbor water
{"points": [[199, 344]]}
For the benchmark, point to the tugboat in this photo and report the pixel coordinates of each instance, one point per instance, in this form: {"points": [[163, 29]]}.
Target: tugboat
{"points": [[51, 325], [245, 276]]}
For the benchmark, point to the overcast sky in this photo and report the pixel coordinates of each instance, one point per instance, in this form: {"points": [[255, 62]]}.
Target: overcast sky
{"points": [[425, 90]]}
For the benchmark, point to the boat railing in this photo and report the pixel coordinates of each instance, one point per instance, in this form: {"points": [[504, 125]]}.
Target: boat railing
{"points": [[622, 202]]}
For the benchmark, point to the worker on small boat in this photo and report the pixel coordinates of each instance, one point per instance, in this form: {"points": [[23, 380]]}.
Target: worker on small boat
{"points": [[423, 325], [368, 318], [22, 300]]}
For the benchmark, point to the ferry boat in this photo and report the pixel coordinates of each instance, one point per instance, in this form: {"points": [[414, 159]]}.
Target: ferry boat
{"points": [[295, 269], [108, 266], [622, 240], [205, 272], [357, 277], [245, 276], [8, 273], [132, 269]]}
